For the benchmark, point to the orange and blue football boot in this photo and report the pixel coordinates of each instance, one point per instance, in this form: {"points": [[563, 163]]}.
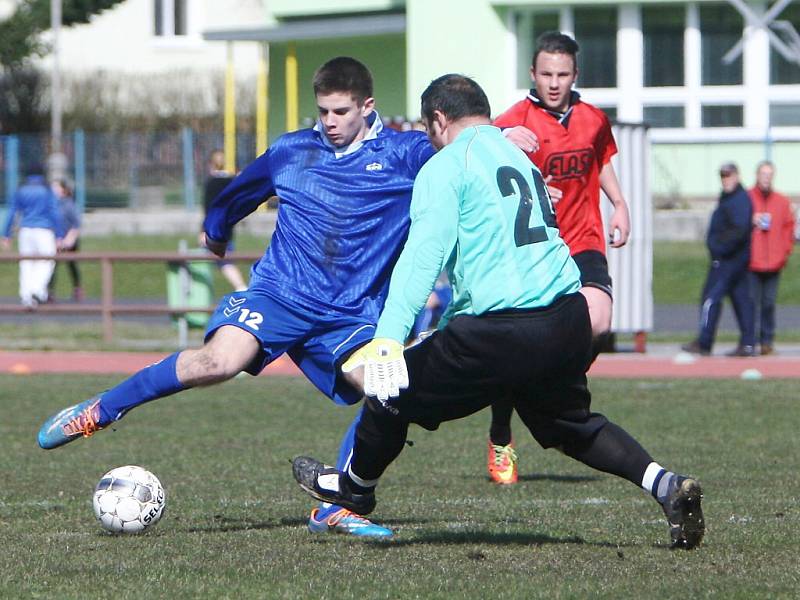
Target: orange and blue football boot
{"points": [[80, 420], [347, 522]]}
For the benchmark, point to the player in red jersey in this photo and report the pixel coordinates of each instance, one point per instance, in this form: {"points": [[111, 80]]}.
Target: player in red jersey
{"points": [[572, 144]]}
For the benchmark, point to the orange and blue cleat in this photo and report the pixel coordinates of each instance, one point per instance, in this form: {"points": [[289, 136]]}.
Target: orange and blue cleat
{"points": [[79, 420]]}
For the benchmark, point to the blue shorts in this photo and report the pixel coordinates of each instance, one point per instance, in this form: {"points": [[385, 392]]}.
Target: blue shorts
{"points": [[317, 343]]}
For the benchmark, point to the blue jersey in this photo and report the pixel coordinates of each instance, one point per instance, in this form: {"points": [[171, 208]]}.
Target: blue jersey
{"points": [[342, 219]]}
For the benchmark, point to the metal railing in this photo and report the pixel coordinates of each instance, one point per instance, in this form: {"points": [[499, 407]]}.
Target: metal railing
{"points": [[107, 307]]}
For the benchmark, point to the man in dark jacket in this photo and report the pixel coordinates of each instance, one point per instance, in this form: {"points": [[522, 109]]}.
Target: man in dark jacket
{"points": [[728, 242]]}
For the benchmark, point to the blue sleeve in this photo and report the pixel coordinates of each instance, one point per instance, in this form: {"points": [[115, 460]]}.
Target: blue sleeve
{"points": [[241, 197], [419, 152], [71, 216], [11, 209], [56, 218]]}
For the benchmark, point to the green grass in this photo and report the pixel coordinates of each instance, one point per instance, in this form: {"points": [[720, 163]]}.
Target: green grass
{"points": [[235, 520], [679, 271]]}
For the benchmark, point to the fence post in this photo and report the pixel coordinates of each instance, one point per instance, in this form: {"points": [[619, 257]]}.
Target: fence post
{"points": [[80, 170], [188, 168], [184, 284], [107, 297]]}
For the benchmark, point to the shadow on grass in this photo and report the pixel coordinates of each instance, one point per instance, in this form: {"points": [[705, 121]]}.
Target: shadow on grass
{"points": [[450, 538], [223, 524], [559, 478]]}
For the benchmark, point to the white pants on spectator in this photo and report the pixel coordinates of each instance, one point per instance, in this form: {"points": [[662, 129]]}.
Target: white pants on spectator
{"points": [[34, 275]]}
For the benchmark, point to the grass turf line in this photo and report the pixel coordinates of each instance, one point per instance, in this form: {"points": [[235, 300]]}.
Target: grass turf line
{"points": [[235, 520]]}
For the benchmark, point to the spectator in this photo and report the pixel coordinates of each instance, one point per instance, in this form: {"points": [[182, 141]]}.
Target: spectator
{"points": [[218, 179], [771, 245], [40, 229], [71, 242], [728, 242]]}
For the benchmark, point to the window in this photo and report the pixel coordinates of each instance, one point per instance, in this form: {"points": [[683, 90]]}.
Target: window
{"points": [[662, 28], [665, 116], [726, 115], [529, 27], [169, 17], [780, 69], [596, 33], [611, 112], [784, 115], [721, 27]]}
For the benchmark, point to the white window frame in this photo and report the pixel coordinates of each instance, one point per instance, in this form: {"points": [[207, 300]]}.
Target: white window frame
{"points": [[630, 96]]}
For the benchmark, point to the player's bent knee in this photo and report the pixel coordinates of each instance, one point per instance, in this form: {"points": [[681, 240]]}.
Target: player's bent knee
{"points": [[225, 355]]}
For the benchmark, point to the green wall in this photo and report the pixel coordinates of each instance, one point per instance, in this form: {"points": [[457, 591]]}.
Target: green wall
{"points": [[385, 56], [691, 170], [443, 37], [296, 8]]}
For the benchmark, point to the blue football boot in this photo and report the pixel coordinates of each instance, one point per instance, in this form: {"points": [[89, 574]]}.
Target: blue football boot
{"points": [[347, 522], [79, 420]]}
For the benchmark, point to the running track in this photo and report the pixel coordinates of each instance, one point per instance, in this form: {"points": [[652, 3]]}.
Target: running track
{"points": [[622, 366]]}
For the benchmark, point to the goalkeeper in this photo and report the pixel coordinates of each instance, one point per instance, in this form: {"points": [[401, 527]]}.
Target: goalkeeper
{"points": [[516, 326]]}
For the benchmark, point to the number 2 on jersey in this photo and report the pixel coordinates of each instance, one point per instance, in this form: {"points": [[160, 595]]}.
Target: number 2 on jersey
{"points": [[524, 234]]}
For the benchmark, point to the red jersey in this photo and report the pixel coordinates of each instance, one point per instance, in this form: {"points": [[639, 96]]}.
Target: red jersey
{"points": [[573, 154]]}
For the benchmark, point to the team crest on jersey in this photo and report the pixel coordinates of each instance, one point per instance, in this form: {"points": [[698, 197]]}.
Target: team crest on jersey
{"points": [[569, 165], [376, 166]]}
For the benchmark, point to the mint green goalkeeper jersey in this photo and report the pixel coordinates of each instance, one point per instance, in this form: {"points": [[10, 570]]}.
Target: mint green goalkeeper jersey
{"points": [[480, 210]]}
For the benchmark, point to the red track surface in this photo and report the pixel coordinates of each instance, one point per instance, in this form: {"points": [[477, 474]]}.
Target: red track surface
{"points": [[623, 366]]}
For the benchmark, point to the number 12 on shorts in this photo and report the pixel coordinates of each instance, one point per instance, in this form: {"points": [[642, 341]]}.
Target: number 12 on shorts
{"points": [[250, 318]]}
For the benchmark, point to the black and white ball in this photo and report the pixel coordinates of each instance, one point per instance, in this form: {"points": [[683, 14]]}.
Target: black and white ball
{"points": [[128, 499]]}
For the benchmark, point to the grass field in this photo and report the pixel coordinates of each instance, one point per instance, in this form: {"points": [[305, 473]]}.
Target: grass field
{"points": [[235, 520]]}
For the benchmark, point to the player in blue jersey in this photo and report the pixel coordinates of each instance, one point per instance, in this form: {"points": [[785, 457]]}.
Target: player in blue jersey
{"points": [[517, 325], [316, 294]]}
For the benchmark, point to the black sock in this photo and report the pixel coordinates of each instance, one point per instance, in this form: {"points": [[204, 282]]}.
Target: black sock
{"points": [[500, 429], [613, 450], [380, 437]]}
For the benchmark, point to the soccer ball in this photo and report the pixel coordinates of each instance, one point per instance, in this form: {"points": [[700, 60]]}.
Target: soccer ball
{"points": [[128, 500]]}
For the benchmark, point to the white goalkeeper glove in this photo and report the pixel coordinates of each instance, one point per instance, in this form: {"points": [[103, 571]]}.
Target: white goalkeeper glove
{"points": [[385, 371]]}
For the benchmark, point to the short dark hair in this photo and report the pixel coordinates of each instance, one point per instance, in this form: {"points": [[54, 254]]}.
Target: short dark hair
{"points": [[555, 42], [455, 96], [344, 75]]}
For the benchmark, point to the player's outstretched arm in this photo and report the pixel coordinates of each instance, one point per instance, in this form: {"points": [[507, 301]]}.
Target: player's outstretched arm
{"points": [[217, 248], [619, 226]]}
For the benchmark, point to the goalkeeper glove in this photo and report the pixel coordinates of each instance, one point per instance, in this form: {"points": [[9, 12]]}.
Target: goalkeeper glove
{"points": [[385, 372]]}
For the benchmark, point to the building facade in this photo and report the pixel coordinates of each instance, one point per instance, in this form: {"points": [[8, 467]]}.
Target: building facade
{"points": [[716, 80], [712, 78]]}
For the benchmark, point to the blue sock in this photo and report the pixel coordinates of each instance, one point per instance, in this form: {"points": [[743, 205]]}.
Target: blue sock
{"points": [[156, 381], [342, 463]]}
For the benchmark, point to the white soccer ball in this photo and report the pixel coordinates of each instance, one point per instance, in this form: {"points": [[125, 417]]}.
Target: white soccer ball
{"points": [[128, 499]]}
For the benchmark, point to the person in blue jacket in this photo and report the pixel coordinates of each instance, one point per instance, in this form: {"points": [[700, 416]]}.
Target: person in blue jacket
{"points": [[40, 231], [728, 242]]}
